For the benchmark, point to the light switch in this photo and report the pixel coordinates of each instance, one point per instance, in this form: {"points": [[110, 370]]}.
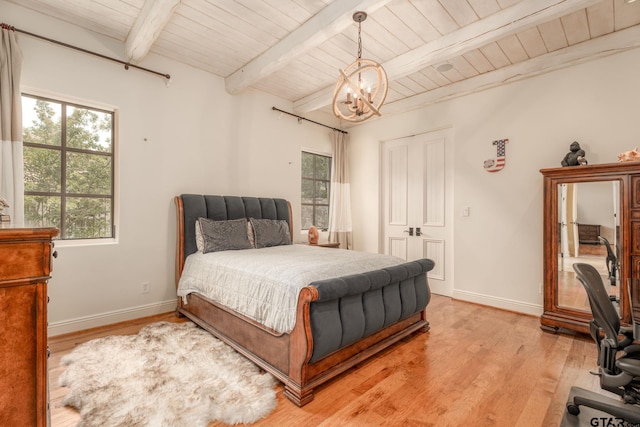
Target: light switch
{"points": [[465, 211]]}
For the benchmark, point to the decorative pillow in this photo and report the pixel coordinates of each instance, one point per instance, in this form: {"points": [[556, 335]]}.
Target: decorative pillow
{"points": [[224, 235], [270, 232], [199, 238], [251, 235]]}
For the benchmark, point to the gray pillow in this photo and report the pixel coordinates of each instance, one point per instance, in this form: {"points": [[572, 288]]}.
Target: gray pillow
{"points": [[224, 235], [199, 238], [270, 232]]}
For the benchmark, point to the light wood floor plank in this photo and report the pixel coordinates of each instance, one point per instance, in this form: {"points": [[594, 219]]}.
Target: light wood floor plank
{"points": [[477, 366]]}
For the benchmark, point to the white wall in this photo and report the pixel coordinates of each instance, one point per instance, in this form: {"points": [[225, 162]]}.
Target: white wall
{"points": [[595, 206], [202, 140], [199, 139], [498, 249]]}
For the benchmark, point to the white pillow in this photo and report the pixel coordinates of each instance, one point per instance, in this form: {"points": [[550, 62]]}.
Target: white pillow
{"points": [[199, 238]]}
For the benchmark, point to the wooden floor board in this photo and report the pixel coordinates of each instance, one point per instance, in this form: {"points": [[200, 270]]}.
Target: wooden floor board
{"points": [[476, 366]]}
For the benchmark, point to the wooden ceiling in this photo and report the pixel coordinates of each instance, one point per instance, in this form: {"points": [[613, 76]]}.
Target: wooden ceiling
{"points": [[294, 48]]}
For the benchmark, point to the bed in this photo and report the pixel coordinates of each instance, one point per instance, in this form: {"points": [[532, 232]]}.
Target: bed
{"points": [[337, 322]]}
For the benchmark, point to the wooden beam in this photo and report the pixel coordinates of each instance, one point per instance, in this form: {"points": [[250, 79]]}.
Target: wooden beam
{"points": [[154, 16], [511, 20], [610, 44], [330, 21]]}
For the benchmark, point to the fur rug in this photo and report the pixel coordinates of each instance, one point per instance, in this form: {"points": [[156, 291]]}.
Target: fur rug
{"points": [[170, 374]]}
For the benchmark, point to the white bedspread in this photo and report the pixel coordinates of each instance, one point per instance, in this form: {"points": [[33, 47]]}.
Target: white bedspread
{"points": [[263, 284]]}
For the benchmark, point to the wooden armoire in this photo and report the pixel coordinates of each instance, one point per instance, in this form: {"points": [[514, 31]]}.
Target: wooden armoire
{"points": [[607, 195], [25, 265]]}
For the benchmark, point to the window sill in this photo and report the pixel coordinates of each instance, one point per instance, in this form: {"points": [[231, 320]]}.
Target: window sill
{"points": [[84, 242]]}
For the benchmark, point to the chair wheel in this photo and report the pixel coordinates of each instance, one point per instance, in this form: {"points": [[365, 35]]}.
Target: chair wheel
{"points": [[573, 409]]}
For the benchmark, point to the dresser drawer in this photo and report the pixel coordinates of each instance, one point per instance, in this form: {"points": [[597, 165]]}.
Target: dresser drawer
{"points": [[635, 191], [22, 260], [588, 233], [635, 237]]}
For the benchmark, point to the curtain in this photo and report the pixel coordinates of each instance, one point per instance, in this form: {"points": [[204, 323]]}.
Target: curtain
{"points": [[11, 162], [340, 195]]}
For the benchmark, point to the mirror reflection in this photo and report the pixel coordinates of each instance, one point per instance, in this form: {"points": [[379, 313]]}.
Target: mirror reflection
{"points": [[589, 232]]}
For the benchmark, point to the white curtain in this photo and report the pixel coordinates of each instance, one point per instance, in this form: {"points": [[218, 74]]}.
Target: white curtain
{"points": [[340, 196], [11, 162]]}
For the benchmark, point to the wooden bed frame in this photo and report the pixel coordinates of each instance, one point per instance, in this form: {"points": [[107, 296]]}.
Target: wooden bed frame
{"points": [[288, 357]]}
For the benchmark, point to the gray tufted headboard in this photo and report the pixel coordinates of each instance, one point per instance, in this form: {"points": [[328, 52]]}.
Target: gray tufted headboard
{"points": [[190, 207]]}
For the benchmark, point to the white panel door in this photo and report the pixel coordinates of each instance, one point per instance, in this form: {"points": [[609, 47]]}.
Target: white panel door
{"points": [[415, 203]]}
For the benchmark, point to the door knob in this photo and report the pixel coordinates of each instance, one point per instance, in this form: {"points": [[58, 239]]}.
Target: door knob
{"points": [[418, 232], [410, 231]]}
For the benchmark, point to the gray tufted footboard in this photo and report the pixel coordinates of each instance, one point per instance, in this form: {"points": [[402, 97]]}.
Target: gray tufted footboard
{"points": [[354, 307]]}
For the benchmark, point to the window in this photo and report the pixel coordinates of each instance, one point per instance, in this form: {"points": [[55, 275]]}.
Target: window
{"points": [[316, 180], [68, 167]]}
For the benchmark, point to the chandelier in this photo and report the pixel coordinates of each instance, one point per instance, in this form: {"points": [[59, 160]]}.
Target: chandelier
{"points": [[361, 87]]}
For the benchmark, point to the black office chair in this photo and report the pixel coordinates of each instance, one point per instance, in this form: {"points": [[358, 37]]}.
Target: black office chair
{"points": [[611, 261], [618, 357]]}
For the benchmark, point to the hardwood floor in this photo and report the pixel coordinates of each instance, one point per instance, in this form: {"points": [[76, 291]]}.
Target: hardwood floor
{"points": [[571, 293], [477, 366]]}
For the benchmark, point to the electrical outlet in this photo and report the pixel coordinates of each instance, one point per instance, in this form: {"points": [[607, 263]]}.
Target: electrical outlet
{"points": [[540, 288], [144, 288]]}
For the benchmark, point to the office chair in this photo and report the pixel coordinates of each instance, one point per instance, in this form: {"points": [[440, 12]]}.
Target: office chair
{"points": [[618, 357], [612, 261]]}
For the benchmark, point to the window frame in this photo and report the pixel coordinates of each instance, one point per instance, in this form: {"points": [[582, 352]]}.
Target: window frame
{"points": [[314, 179], [66, 102]]}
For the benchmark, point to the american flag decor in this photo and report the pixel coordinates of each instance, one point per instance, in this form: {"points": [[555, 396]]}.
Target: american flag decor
{"points": [[495, 165]]}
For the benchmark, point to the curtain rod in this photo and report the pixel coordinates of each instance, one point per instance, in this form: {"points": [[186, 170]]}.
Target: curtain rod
{"points": [[126, 64], [309, 120]]}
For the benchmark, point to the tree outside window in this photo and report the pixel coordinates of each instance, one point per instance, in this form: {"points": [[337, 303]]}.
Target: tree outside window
{"points": [[68, 167], [316, 181]]}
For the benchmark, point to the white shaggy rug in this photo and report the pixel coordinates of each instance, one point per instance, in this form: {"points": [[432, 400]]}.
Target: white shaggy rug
{"points": [[170, 374]]}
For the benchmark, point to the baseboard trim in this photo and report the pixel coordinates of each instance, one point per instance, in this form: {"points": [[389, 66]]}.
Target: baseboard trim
{"points": [[108, 318], [503, 303]]}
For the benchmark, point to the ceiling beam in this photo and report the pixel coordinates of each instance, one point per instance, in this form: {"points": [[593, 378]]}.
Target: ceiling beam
{"points": [[154, 16], [610, 44], [511, 20], [330, 21]]}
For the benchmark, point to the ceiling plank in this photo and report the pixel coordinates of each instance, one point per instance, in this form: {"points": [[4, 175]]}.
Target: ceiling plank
{"points": [[484, 8], [576, 27], [460, 11], [519, 17], [589, 50], [513, 49], [532, 42], [495, 55], [600, 18], [626, 14], [552, 33], [330, 21], [480, 62], [154, 16]]}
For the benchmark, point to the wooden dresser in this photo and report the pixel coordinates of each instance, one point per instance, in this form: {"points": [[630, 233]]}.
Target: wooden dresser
{"points": [[25, 264], [588, 234]]}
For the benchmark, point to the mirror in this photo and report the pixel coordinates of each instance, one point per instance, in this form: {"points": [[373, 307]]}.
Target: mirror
{"points": [[586, 207], [588, 232]]}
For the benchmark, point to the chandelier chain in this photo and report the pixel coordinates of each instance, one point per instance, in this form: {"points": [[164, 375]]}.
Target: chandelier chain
{"points": [[359, 40]]}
